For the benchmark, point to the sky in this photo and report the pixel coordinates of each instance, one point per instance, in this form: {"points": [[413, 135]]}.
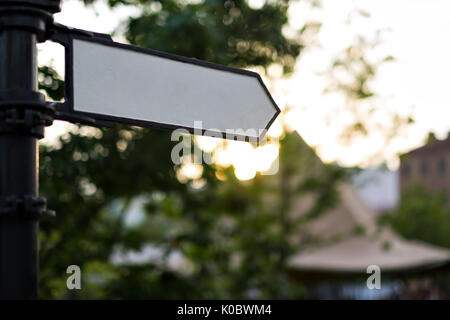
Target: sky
{"points": [[415, 83]]}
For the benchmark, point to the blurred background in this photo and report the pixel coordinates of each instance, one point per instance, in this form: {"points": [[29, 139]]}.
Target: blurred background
{"points": [[355, 173]]}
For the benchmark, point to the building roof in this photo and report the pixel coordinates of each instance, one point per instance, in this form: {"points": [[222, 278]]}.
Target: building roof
{"points": [[347, 251], [432, 145], [356, 253]]}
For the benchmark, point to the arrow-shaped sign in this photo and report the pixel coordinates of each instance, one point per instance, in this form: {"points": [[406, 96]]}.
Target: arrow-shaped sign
{"points": [[110, 81]]}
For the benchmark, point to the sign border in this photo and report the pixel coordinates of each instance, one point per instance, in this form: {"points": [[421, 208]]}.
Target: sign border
{"points": [[68, 104]]}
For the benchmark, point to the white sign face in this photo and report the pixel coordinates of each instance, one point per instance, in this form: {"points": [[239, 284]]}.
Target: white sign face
{"points": [[152, 89]]}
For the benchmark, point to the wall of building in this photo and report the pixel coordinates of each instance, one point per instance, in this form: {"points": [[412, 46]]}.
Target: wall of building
{"points": [[429, 166]]}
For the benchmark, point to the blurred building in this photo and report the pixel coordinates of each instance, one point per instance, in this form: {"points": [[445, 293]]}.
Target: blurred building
{"points": [[343, 242], [338, 246], [428, 166]]}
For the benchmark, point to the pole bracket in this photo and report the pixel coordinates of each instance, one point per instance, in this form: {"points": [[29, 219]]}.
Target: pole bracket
{"points": [[14, 117], [25, 207]]}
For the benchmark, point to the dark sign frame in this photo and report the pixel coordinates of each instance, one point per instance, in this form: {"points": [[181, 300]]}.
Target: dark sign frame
{"points": [[66, 39]]}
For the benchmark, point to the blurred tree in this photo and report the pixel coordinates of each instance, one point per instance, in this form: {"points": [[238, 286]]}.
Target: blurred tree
{"points": [[234, 237], [228, 32], [421, 215], [364, 113], [50, 83]]}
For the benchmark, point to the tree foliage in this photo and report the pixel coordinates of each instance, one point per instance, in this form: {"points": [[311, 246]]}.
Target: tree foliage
{"points": [[233, 236], [421, 215], [228, 32]]}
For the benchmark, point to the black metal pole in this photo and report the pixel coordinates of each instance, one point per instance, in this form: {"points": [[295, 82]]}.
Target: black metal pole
{"points": [[18, 172], [23, 116]]}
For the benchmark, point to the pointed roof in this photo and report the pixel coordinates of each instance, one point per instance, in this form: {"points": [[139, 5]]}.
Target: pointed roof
{"points": [[351, 241]]}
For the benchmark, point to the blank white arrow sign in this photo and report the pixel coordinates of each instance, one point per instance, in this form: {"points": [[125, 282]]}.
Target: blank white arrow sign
{"points": [[148, 88]]}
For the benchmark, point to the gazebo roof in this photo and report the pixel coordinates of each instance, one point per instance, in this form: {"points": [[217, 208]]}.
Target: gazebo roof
{"points": [[348, 251], [355, 254]]}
